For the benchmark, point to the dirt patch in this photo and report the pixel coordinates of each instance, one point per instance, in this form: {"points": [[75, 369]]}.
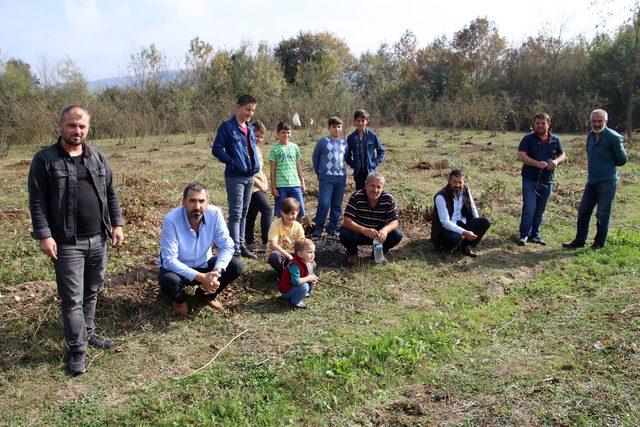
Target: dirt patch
{"points": [[416, 214], [419, 405], [140, 205], [425, 166], [23, 296], [473, 148], [431, 143], [21, 164], [13, 215]]}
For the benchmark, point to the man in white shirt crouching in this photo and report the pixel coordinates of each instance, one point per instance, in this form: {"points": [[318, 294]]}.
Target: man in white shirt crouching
{"points": [[456, 223]]}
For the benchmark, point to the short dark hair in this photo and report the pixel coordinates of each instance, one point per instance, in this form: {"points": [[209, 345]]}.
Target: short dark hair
{"points": [[458, 173], [283, 126], [258, 126], [542, 116], [68, 108], [360, 114], [246, 99], [289, 205], [193, 186], [334, 121]]}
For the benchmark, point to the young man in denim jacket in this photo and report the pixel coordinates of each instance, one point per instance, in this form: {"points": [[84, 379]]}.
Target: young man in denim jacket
{"points": [[235, 146]]}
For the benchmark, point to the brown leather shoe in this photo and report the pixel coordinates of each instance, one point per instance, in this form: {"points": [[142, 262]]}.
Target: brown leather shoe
{"points": [[215, 304], [352, 259], [468, 252], [181, 310]]}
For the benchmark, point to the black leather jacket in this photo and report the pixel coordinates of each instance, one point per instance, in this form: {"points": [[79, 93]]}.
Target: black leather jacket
{"points": [[53, 187]]}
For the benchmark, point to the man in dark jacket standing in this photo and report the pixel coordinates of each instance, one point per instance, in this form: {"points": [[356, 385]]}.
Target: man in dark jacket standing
{"points": [[604, 152], [235, 146], [456, 222], [74, 209]]}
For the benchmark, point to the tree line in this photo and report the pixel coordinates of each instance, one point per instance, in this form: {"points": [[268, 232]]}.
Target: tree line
{"points": [[474, 79]]}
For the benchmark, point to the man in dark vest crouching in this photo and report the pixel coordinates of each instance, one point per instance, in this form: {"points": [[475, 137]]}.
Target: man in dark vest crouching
{"points": [[456, 222]]}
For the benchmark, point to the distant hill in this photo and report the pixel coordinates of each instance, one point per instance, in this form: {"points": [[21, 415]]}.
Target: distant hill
{"points": [[122, 82]]}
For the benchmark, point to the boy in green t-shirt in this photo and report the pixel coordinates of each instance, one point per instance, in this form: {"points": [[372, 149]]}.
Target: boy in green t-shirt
{"points": [[287, 179]]}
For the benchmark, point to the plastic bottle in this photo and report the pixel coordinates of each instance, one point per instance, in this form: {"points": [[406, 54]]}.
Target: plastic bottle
{"points": [[378, 254]]}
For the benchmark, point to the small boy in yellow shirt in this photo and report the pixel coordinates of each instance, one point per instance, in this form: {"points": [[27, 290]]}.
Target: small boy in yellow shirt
{"points": [[283, 233]]}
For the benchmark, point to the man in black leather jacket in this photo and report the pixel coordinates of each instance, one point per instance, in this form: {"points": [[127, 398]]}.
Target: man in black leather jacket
{"points": [[74, 210]]}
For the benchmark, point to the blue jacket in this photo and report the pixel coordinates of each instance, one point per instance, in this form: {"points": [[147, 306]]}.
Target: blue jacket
{"points": [[374, 152], [604, 155], [230, 147]]}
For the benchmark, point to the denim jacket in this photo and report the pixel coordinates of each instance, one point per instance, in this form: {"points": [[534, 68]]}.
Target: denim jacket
{"points": [[52, 192], [230, 147], [374, 151]]}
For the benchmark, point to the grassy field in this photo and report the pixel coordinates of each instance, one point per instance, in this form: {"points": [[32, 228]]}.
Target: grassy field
{"points": [[533, 335]]}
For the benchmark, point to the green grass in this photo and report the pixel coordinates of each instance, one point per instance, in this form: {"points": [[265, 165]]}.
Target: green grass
{"points": [[518, 336]]}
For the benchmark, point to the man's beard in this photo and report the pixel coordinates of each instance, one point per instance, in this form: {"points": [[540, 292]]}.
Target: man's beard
{"points": [[79, 141], [196, 216], [457, 191], [597, 129]]}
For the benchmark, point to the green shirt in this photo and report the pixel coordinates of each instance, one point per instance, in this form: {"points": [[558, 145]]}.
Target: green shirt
{"points": [[286, 158]]}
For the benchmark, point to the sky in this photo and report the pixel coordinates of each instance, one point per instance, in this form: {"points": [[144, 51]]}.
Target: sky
{"points": [[100, 35]]}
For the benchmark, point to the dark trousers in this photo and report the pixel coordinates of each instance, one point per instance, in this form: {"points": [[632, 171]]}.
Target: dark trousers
{"points": [[278, 262], [360, 178], [351, 240], [601, 194], [259, 203], [479, 226], [80, 277], [173, 285]]}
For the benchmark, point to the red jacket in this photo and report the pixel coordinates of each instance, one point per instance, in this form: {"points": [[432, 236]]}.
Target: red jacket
{"points": [[285, 278]]}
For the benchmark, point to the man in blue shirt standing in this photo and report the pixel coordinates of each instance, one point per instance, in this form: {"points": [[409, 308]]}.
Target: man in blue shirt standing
{"points": [[188, 233], [604, 152], [540, 153], [364, 150]]}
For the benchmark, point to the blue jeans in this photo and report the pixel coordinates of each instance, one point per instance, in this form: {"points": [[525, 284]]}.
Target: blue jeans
{"points": [[238, 198], [535, 195], [80, 277], [297, 293], [601, 194], [283, 193], [351, 240], [330, 193]]}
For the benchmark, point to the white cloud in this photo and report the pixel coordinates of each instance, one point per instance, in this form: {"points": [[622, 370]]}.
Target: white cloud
{"points": [[123, 8], [183, 9], [83, 14]]}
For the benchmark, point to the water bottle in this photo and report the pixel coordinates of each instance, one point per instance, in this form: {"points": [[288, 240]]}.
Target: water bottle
{"points": [[378, 254]]}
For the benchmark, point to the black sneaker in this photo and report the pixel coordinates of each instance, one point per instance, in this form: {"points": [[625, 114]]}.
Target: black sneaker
{"points": [[97, 342], [596, 246], [538, 241], [522, 241], [77, 362], [247, 253], [572, 245]]}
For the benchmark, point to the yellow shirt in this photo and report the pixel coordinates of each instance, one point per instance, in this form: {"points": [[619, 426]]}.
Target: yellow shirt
{"points": [[285, 236]]}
